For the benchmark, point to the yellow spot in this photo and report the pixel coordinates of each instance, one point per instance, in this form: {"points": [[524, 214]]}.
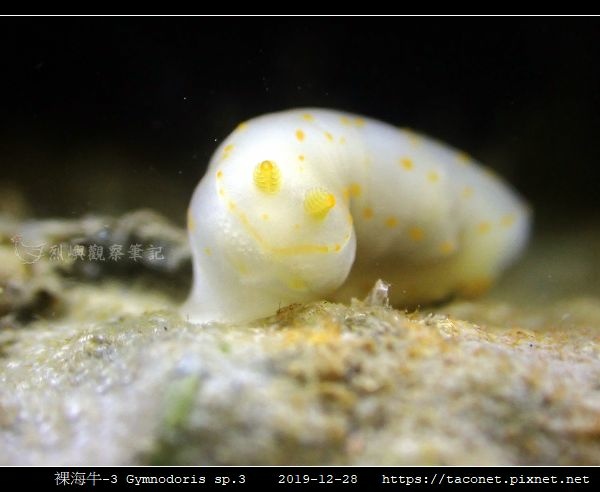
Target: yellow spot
{"points": [[242, 126], [407, 163], [463, 158], [240, 267], [475, 287], [345, 121], [219, 174], [342, 140], [352, 191], [297, 227], [300, 135], [359, 122], [368, 213], [267, 177], [207, 251], [308, 117], [301, 157], [264, 216], [318, 202], [337, 247], [484, 227], [433, 176], [447, 247], [414, 139], [507, 220], [491, 173], [355, 189], [227, 151], [231, 205], [391, 222], [221, 192], [416, 233], [467, 192], [329, 136], [297, 283], [191, 223]]}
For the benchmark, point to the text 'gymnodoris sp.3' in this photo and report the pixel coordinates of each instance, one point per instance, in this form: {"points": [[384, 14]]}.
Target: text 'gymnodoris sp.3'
{"points": [[309, 204]]}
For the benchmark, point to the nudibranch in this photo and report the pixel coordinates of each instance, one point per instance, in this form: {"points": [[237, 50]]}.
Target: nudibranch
{"points": [[309, 204]]}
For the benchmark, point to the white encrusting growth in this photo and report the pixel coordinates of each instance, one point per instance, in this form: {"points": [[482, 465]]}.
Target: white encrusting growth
{"points": [[312, 203]]}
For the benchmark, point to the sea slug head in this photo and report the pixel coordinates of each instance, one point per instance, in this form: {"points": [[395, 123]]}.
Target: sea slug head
{"points": [[267, 226]]}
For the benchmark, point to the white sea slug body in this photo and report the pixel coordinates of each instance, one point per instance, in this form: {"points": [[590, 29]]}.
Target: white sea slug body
{"points": [[309, 204]]}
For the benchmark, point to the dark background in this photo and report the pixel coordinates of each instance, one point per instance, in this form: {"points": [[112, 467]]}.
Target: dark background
{"points": [[110, 114]]}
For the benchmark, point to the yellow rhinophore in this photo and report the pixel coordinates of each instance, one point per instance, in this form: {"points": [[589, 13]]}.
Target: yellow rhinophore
{"points": [[267, 177], [318, 202]]}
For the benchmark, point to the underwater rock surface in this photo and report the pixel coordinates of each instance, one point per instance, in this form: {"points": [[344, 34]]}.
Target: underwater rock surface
{"points": [[97, 367]]}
